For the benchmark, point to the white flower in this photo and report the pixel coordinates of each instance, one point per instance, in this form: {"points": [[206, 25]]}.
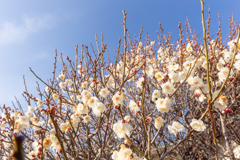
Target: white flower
{"points": [[139, 82], [82, 109], [222, 75], [133, 106], [117, 99], [38, 125], [204, 87], [168, 88], [237, 65], [221, 103], [122, 129], [76, 117], [31, 155], [84, 84], [62, 84], [55, 96], [47, 142], [56, 146], [19, 126], [163, 105], [64, 126], [173, 67], [237, 57], [91, 102], [123, 154], [30, 108], [182, 75], [115, 155], [24, 119], [86, 95], [159, 76], [104, 92], [150, 72], [98, 108], [87, 119], [189, 48], [175, 128], [12, 116], [61, 77], [199, 96], [158, 123], [227, 55], [195, 82], [69, 82], [127, 118], [29, 114], [173, 76], [155, 95], [197, 125], [3, 124], [187, 65], [47, 89], [236, 152], [39, 103]]}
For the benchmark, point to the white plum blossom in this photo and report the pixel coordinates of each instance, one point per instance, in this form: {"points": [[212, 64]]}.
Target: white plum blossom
{"points": [[64, 126], [29, 114], [69, 82], [173, 67], [189, 48], [222, 75], [62, 84], [155, 95], [175, 127], [163, 105], [39, 102], [159, 76], [55, 96], [168, 88], [221, 103], [61, 77], [98, 108], [47, 142], [195, 82], [236, 152], [86, 95], [237, 65], [21, 123], [84, 84], [139, 83], [133, 106], [47, 89], [187, 65], [197, 125], [117, 99], [122, 129], [104, 92], [127, 118], [87, 119], [199, 96], [173, 76], [82, 109], [182, 75], [158, 123], [123, 154], [91, 102]]}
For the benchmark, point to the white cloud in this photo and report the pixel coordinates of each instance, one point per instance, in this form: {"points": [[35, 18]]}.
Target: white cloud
{"points": [[11, 32]]}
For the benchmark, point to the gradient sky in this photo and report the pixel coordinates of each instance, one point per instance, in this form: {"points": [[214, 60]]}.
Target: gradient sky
{"points": [[31, 30]]}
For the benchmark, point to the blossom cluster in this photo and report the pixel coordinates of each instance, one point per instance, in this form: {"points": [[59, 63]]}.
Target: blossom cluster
{"points": [[155, 94]]}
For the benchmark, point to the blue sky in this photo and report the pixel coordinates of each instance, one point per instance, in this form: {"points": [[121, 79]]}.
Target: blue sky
{"points": [[30, 31]]}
